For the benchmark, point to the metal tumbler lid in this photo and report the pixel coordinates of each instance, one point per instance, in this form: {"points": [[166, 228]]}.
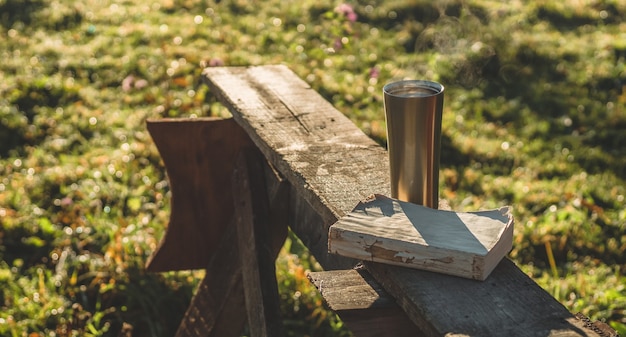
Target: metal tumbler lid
{"points": [[413, 88]]}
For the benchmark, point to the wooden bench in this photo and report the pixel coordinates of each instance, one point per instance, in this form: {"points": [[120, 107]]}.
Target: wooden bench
{"points": [[289, 158]]}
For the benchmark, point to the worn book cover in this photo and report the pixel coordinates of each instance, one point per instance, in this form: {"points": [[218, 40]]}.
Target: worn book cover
{"points": [[386, 230]]}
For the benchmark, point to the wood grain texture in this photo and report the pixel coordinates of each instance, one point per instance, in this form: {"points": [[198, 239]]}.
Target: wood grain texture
{"points": [[508, 303], [382, 229], [199, 155], [218, 307], [314, 146], [362, 304], [333, 165], [312, 230], [254, 234]]}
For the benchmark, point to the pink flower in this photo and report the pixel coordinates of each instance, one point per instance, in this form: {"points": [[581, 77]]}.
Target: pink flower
{"points": [[374, 72], [130, 82], [216, 62], [351, 16], [127, 83], [67, 201], [141, 83], [337, 45], [347, 11]]}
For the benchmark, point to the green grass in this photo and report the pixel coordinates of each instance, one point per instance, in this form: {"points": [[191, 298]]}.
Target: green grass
{"points": [[535, 117]]}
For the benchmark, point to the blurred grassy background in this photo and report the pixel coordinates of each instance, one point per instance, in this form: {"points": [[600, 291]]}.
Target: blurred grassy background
{"points": [[535, 117]]}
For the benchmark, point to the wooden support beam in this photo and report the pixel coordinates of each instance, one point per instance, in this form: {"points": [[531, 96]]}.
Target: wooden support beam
{"points": [[362, 304], [254, 234], [200, 156], [216, 308]]}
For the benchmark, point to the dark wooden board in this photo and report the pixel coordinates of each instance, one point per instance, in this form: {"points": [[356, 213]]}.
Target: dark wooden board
{"points": [[254, 234], [199, 156], [218, 306], [216, 310], [362, 304], [508, 303], [333, 165]]}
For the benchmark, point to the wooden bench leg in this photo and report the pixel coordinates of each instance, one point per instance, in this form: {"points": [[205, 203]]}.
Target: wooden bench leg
{"points": [[216, 308], [252, 217]]}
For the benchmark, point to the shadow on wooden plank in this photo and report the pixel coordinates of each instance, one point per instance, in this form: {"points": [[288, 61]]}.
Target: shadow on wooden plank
{"points": [[362, 304]]}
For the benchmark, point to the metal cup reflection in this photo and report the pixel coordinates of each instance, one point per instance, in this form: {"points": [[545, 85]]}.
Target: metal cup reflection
{"points": [[413, 110]]}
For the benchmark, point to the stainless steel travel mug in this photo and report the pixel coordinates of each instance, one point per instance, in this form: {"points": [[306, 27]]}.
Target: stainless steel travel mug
{"points": [[413, 111]]}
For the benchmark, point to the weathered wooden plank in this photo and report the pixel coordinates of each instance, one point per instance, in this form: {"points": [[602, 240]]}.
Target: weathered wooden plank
{"points": [[465, 244], [363, 306], [333, 165], [255, 244], [218, 307], [198, 155], [309, 226], [313, 145], [508, 303]]}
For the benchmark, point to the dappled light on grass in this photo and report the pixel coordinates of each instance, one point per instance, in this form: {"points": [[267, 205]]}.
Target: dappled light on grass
{"points": [[534, 117]]}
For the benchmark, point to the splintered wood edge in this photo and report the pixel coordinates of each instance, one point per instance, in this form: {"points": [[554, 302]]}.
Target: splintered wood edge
{"points": [[439, 260], [446, 262], [503, 246]]}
